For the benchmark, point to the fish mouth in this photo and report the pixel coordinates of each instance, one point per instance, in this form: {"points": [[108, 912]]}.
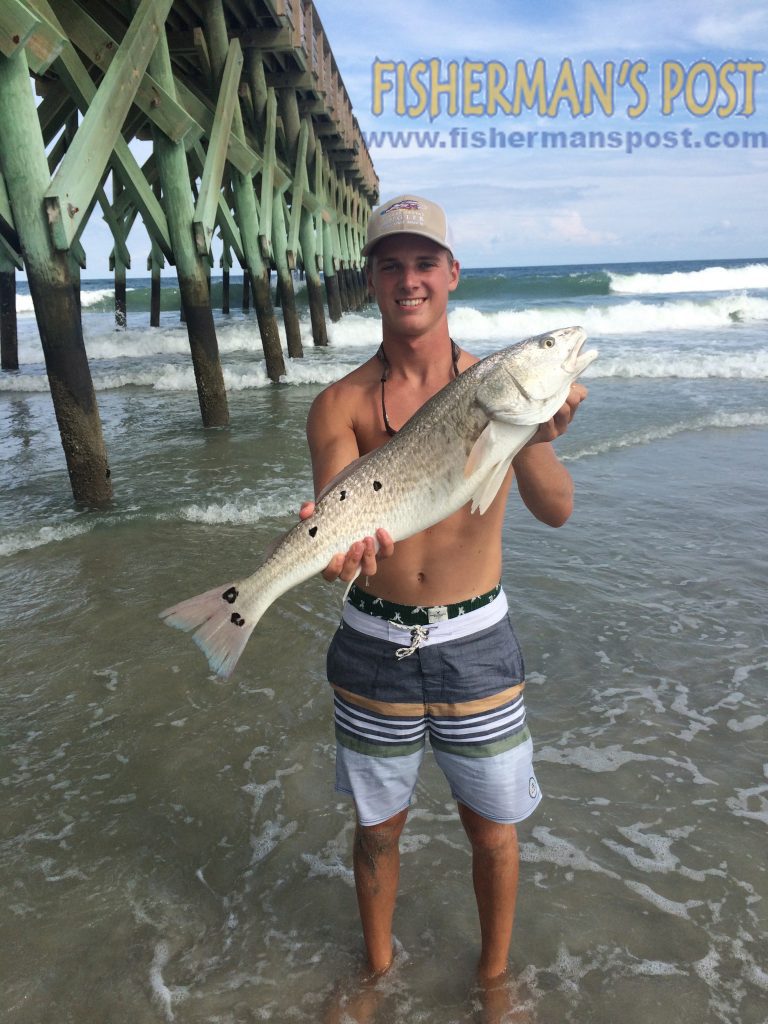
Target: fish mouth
{"points": [[577, 361]]}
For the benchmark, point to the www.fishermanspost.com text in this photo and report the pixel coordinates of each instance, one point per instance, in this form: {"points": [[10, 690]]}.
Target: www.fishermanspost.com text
{"points": [[621, 140]]}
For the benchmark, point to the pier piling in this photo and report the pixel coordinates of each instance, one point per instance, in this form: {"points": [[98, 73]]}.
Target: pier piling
{"points": [[193, 286], [9, 344], [253, 142], [25, 171], [226, 266]]}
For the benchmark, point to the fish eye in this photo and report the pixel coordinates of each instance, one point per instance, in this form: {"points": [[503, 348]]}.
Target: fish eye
{"points": [[549, 343]]}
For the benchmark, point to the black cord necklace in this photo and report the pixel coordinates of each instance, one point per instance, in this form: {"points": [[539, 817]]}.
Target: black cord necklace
{"points": [[382, 357]]}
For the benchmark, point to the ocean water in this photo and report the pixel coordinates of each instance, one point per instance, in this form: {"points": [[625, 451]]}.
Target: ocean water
{"points": [[172, 848]]}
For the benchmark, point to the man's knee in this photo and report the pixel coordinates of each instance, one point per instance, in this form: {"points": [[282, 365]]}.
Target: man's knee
{"points": [[375, 841], [488, 837]]}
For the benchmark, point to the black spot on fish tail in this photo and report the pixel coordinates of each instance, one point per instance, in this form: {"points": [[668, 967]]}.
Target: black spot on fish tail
{"points": [[377, 485], [342, 496], [312, 531], [230, 596], [237, 620]]}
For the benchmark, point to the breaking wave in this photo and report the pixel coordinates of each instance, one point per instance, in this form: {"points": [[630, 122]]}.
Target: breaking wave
{"points": [[631, 317], [717, 421], [96, 298], [243, 509], [708, 279]]}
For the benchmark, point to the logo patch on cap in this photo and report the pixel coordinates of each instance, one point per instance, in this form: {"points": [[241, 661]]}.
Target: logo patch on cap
{"points": [[404, 204]]}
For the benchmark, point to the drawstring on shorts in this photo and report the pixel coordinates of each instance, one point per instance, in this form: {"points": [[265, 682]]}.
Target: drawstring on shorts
{"points": [[418, 635]]}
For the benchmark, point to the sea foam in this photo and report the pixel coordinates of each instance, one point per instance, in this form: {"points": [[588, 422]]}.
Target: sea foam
{"points": [[35, 537], [689, 365], [715, 421], [246, 510]]}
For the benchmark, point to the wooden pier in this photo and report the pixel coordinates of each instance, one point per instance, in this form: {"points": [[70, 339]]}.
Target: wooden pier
{"points": [[253, 136]]}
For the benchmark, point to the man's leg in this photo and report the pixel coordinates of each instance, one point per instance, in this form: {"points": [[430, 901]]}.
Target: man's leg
{"points": [[376, 861], [494, 874]]}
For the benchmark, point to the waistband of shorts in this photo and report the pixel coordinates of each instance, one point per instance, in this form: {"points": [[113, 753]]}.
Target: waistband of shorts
{"points": [[410, 615], [395, 632]]}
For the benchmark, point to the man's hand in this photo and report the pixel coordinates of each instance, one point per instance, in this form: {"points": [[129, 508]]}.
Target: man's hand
{"points": [[362, 557], [560, 422]]}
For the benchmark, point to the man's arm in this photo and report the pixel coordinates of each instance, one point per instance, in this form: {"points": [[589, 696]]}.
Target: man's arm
{"points": [[545, 485], [331, 437], [333, 445]]}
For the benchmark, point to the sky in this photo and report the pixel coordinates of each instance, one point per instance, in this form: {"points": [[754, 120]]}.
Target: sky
{"points": [[544, 205], [609, 187]]}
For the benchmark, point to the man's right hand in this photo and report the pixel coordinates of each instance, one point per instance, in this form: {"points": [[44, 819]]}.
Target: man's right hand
{"points": [[362, 557]]}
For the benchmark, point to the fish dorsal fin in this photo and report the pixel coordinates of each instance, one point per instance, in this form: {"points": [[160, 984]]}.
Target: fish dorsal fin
{"points": [[273, 545], [343, 474]]}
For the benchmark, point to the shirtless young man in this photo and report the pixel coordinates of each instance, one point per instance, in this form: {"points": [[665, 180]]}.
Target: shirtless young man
{"points": [[468, 665]]}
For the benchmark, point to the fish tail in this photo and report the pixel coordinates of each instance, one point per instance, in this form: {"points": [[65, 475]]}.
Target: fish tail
{"points": [[222, 628]]}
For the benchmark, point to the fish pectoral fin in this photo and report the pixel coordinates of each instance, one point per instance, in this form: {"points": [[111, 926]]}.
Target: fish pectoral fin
{"points": [[490, 458], [498, 441], [489, 486], [482, 450]]}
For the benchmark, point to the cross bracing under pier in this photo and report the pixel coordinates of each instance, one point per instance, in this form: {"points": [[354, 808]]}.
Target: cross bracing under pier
{"points": [[253, 143]]}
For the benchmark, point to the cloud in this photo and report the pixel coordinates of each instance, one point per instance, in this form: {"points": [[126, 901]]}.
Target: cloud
{"points": [[512, 235], [732, 28], [568, 228]]}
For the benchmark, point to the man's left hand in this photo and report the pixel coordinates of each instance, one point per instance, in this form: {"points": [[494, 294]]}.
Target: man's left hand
{"points": [[560, 422]]}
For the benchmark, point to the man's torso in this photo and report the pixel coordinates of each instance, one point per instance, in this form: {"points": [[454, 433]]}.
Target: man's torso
{"points": [[456, 558]]}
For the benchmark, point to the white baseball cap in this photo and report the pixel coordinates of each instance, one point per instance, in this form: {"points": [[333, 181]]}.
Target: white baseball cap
{"points": [[412, 215]]}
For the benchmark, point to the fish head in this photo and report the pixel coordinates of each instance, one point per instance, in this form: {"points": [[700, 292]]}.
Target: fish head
{"points": [[543, 365], [530, 381]]}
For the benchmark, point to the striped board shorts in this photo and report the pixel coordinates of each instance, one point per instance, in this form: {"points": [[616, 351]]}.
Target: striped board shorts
{"points": [[454, 673]]}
